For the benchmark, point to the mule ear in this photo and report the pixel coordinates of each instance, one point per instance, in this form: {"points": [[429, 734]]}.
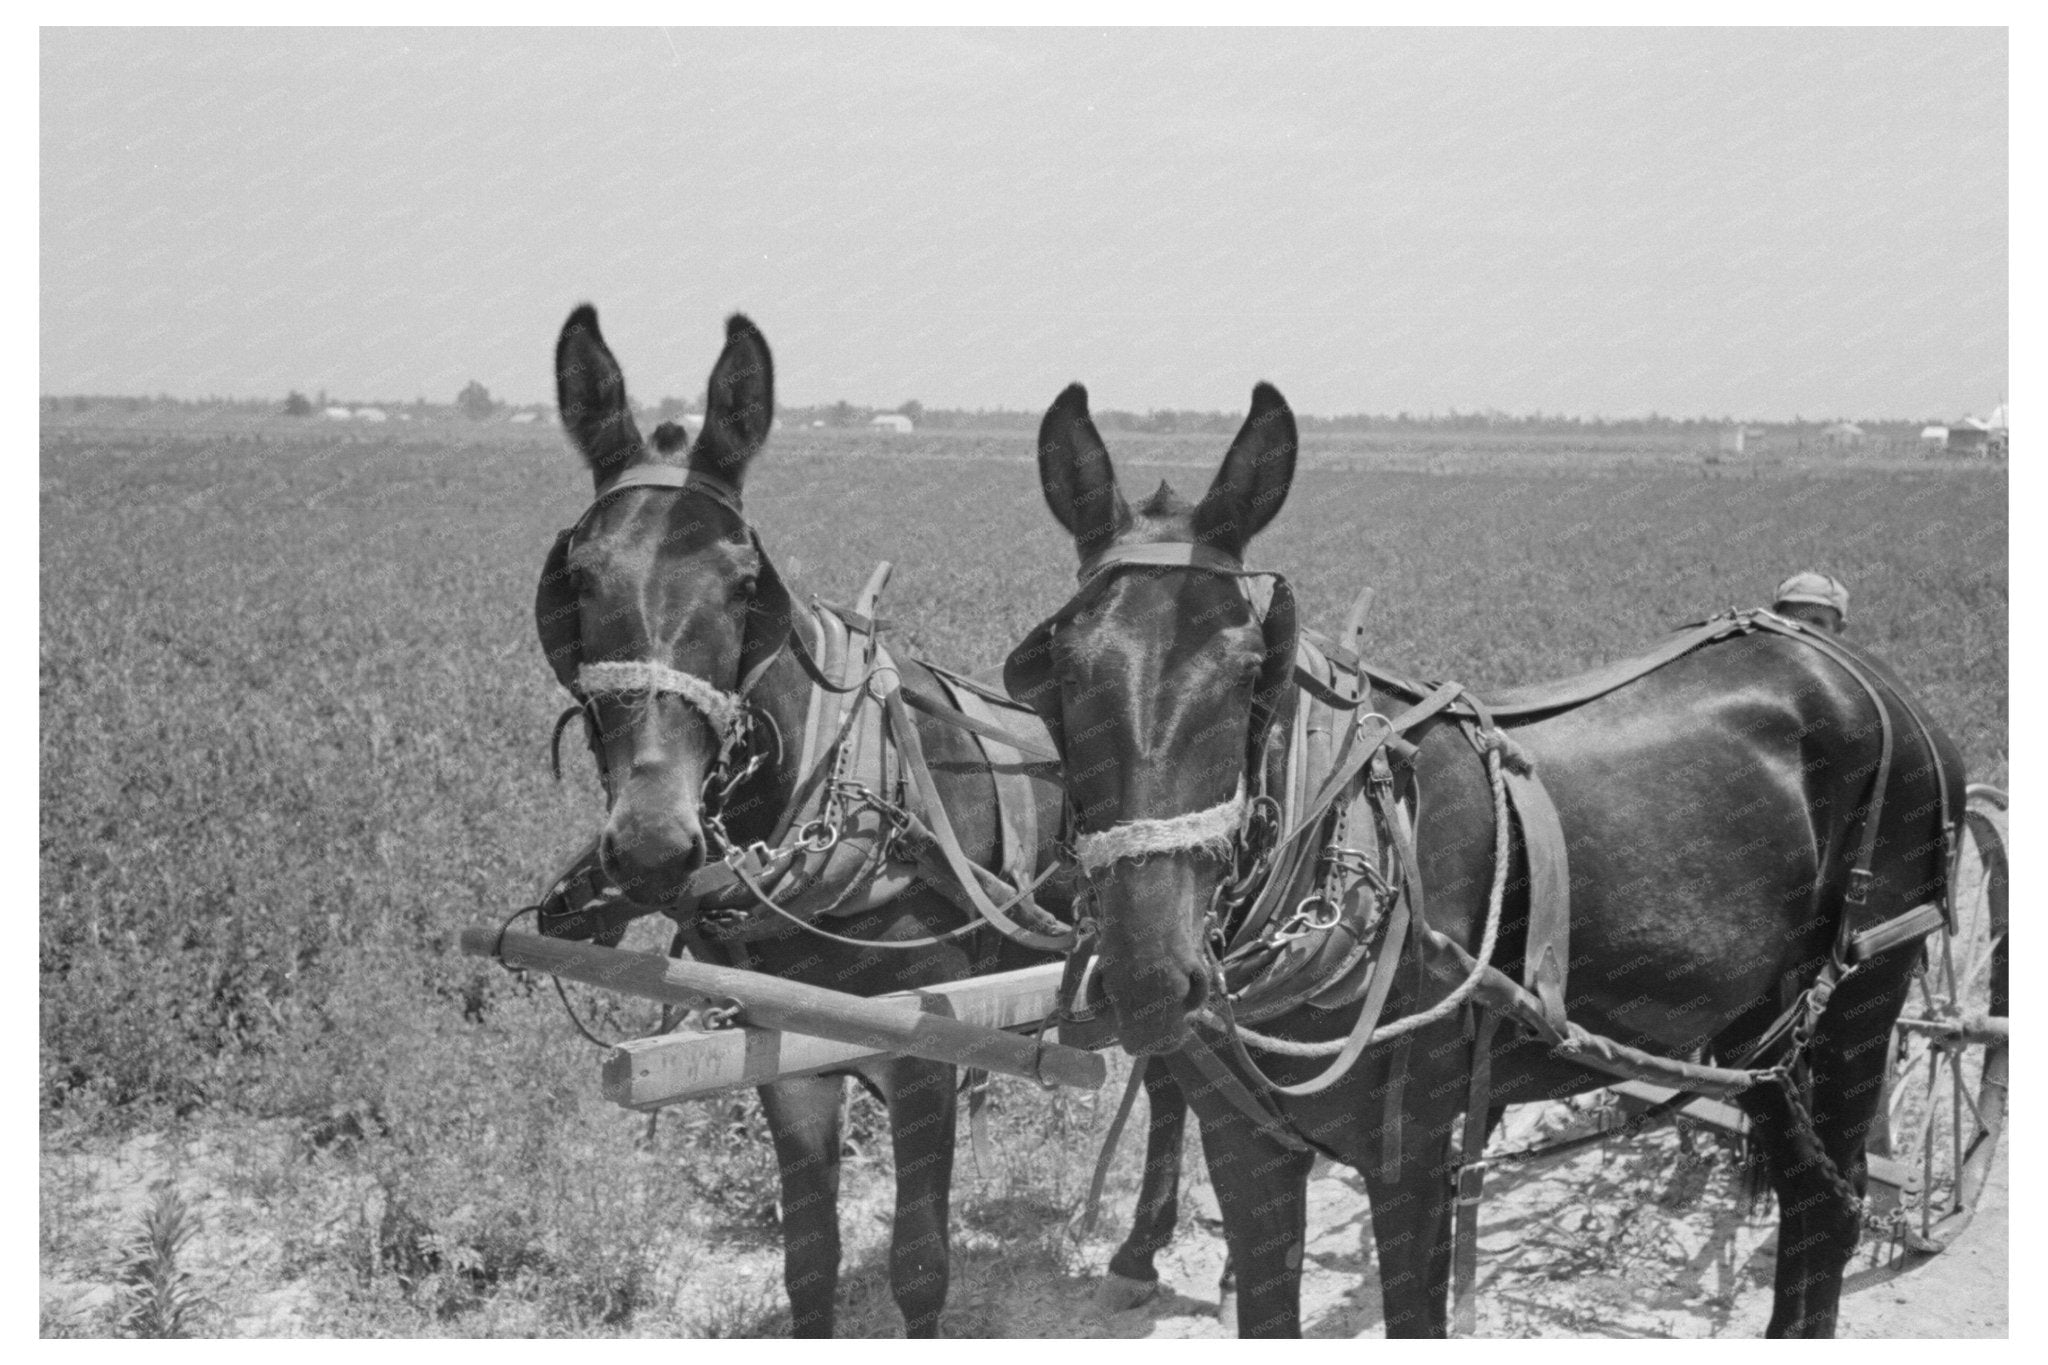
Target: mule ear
{"points": [[591, 392], [1252, 485], [739, 404], [1074, 470]]}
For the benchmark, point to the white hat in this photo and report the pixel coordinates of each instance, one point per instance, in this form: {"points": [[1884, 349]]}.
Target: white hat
{"points": [[1816, 588]]}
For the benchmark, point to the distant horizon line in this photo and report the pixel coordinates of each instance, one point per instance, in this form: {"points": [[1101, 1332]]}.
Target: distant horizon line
{"points": [[1485, 416]]}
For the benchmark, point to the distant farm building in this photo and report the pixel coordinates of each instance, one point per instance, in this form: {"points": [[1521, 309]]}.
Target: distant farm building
{"points": [[1970, 436], [1842, 436], [370, 415], [525, 417], [336, 414], [1934, 438], [1740, 440], [890, 421]]}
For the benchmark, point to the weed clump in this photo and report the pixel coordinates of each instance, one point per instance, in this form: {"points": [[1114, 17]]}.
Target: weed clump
{"points": [[157, 1295]]}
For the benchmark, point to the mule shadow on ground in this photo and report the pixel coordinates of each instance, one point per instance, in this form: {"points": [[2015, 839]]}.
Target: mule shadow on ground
{"points": [[1626, 1239], [1651, 1237]]}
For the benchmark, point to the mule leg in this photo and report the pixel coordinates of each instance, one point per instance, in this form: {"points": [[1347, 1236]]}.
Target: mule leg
{"points": [[1411, 1227], [803, 1117], [1266, 1227], [923, 1116], [1817, 1229], [1262, 1189], [1132, 1278]]}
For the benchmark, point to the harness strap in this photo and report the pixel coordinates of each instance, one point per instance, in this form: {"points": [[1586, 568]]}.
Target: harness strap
{"points": [[956, 861], [900, 945], [1470, 1182], [650, 475], [1220, 1078], [1547, 953], [1543, 697], [960, 718], [1016, 796], [1108, 1153], [1393, 1113], [1860, 871], [1359, 753], [1165, 554], [1386, 964], [821, 674]]}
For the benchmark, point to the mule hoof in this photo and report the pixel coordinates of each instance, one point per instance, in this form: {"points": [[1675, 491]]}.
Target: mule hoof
{"points": [[1120, 1294], [1226, 1311]]}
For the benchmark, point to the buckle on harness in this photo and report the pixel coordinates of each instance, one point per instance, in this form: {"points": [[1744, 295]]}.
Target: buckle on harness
{"points": [[1859, 885], [1471, 1182]]}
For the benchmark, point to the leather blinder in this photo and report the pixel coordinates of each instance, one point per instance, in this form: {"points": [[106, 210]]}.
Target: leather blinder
{"points": [[1028, 676], [1276, 674], [769, 618], [555, 613]]}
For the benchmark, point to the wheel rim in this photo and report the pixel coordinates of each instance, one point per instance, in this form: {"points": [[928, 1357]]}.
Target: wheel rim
{"points": [[1943, 1107]]}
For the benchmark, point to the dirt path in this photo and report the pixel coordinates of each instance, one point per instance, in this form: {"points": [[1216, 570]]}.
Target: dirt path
{"points": [[1621, 1239], [1613, 1241]]}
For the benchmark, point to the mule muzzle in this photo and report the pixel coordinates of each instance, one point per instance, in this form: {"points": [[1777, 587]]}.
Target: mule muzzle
{"points": [[1153, 1006], [651, 861], [1153, 968]]}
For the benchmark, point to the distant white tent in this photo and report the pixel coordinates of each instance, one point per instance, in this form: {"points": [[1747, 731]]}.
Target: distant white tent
{"points": [[370, 415], [890, 421], [1937, 436], [525, 417], [336, 414], [1843, 434], [1996, 421]]}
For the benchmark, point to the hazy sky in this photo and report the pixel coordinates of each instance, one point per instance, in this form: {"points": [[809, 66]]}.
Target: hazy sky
{"points": [[1750, 222]]}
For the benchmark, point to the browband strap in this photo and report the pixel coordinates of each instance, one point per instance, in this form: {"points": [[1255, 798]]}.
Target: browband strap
{"points": [[1164, 554], [671, 476]]}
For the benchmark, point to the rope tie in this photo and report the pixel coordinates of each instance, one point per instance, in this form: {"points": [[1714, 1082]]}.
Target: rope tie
{"points": [[1204, 831]]}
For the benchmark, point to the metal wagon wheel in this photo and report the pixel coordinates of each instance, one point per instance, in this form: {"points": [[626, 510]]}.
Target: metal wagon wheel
{"points": [[1938, 1129]]}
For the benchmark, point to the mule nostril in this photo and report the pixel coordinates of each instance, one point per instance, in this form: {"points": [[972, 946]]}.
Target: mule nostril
{"points": [[1198, 991]]}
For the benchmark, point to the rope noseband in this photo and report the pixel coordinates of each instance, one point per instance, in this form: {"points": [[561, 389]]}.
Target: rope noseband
{"points": [[724, 711], [1213, 830]]}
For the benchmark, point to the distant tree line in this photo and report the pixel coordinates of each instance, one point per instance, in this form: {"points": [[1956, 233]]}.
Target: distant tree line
{"points": [[475, 402], [1188, 420]]}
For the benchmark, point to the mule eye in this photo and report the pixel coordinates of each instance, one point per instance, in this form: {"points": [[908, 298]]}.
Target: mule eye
{"points": [[746, 587]]}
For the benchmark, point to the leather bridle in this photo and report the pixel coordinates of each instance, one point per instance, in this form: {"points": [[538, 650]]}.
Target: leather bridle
{"points": [[733, 716]]}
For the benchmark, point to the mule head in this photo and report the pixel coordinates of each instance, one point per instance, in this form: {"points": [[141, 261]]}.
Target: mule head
{"points": [[658, 605], [1159, 683]]}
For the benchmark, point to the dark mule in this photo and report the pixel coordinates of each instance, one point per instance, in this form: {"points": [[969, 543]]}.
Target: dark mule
{"points": [[698, 710], [1711, 810]]}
